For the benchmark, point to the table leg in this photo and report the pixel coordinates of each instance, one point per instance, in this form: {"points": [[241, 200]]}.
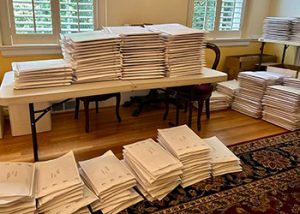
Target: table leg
{"points": [[261, 55], [33, 132], [283, 54]]}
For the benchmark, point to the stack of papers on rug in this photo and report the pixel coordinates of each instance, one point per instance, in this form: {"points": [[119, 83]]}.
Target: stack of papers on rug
{"points": [[295, 32], [42, 73], [142, 52], [190, 149], [59, 188], [156, 170], [111, 181], [252, 89], [184, 49], [94, 56], [277, 28], [17, 188], [223, 161], [282, 106], [292, 82]]}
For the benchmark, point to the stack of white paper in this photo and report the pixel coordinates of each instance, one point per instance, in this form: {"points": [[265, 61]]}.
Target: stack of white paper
{"points": [[17, 188], [282, 106], [295, 31], [277, 28], [94, 56], [252, 89], [223, 161], [111, 181], [219, 101], [156, 170], [142, 52], [42, 73], [292, 82], [229, 88], [184, 49], [190, 149]]}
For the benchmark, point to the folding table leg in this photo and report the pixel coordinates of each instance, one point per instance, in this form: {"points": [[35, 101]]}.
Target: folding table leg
{"points": [[33, 132]]}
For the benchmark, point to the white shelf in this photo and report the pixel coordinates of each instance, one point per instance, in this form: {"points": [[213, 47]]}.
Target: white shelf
{"points": [[279, 42]]}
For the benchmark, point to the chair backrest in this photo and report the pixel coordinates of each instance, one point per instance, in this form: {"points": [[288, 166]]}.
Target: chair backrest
{"points": [[216, 49]]}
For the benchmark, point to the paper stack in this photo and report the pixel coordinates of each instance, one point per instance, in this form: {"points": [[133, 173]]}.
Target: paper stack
{"points": [[184, 49], [41, 73], [94, 56], [156, 170], [111, 181], [292, 82], [84, 210], [251, 91], [277, 28], [230, 88], [190, 149], [282, 106], [17, 188], [223, 161], [142, 52], [295, 32], [218, 101]]}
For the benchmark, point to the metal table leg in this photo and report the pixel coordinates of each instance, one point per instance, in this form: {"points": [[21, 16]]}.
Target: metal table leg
{"points": [[283, 54], [261, 55]]}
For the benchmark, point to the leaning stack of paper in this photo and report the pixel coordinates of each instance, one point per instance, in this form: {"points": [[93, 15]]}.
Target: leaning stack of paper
{"points": [[295, 32], [155, 169], [277, 28], [184, 49], [190, 149], [223, 161], [142, 52], [17, 188], [252, 88], [94, 56], [282, 106], [84, 210], [219, 101], [230, 88], [41, 73], [292, 82], [59, 187], [111, 181]]}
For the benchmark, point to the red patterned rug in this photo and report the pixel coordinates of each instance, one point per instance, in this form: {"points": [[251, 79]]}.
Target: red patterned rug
{"points": [[269, 183]]}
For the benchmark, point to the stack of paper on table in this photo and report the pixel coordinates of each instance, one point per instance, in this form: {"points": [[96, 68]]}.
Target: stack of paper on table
{"points": [[223, 161], [42, 73], [282, 106], [190, 149], [111, 181], [295, 32], [17, 188], [142, 52], [277, 28], [59, 188], [184, 49], [94, 56], [292, 82], [252, 88], [156, 170]]}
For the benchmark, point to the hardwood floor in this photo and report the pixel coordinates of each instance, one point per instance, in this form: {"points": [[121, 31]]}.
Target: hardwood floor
{"points": [[106, 133]]}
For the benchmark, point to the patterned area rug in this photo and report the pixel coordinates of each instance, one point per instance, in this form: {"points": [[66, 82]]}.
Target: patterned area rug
{"points": [[269, 183]]}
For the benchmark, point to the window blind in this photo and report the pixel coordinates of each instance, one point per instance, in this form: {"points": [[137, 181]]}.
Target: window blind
{"points": [[231, 14], [204, 14]]}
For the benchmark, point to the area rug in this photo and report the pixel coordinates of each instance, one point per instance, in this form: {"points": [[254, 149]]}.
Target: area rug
{"points": [[269, 183]]}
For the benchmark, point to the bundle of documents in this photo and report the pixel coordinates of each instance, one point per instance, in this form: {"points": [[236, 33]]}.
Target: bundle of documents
{"points": [[142, 52], [94, 56], [41, 73], [229, 88], [190, 149], [219, 101], [156, 170], [295, 32], [292, 82], [282, 106], [252, 89], [277, 28], [223, 161], [111, 181], [17, 188], [184, 49]]}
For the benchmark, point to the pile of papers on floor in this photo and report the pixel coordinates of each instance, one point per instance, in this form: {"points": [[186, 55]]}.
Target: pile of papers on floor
{"points": [[17, 188], [295, 32], [252, 88], [184, 49], [230, 88], [156, 170], [190, 149], [282, 106], [292, 82], [277, 28], [142, 52], [111, 181], [59, 188], [218, 101], [94, 56], [223, 161], [41, 73]]}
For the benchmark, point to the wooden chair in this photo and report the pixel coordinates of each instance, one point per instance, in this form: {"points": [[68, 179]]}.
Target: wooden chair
{"points": [[96, 99], [189, 94]]}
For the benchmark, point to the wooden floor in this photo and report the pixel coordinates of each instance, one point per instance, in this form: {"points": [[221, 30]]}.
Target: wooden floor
{"points": [[106, 133]]}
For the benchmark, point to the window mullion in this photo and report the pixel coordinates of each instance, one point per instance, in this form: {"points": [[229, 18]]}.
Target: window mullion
{"points": [[78, 16], [55, 17], [33, 16], [218, 16]]}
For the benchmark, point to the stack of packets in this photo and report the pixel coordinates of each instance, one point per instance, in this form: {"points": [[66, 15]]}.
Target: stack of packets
{"points": [[190, 149], [17, 188], [41, 73], [156, 170], [282, 106], [252, 89], [229, 88], [142, 52], [295, 32], [59, 188], [94, 56], [218, 101], [277, 28], [223, 160], [111, 181], [292, 82], [184, 49], [84, 210]]}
